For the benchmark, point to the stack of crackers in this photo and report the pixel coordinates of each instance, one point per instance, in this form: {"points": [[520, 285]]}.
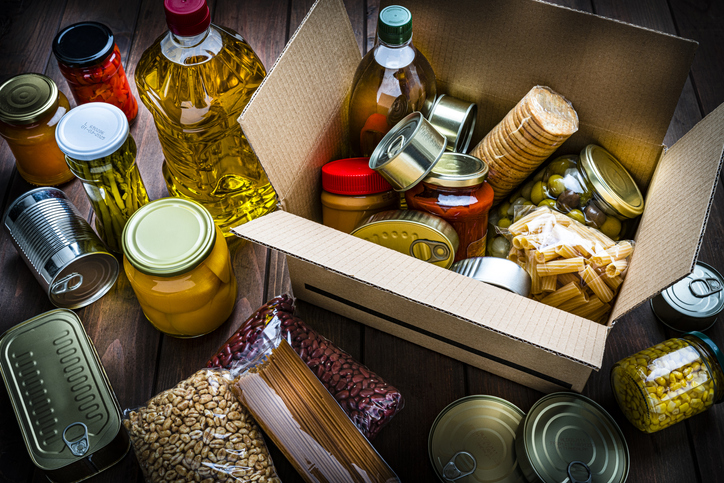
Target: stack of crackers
{"points": [[528, 134]]}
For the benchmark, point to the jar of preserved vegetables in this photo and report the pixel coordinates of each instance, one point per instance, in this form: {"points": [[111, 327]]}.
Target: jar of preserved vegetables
{"points": [[101, 153], [179, 266], [456, 191], [90, 61], [669, 382], [30, 107]]}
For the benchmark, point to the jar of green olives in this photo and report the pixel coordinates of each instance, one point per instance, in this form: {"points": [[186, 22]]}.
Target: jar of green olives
{"points": [[669, 382]]}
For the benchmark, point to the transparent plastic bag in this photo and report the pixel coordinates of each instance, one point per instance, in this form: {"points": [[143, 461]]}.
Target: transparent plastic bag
{"points": [[367, 399], [302, 418], [573, 267], [198, 431]]}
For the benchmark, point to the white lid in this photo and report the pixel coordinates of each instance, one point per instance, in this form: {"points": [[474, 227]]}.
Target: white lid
{"points": [[92, 131]]}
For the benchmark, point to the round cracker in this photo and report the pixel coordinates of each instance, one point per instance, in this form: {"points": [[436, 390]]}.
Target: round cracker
{"points": [[525, 119], [551, 111], [523, 137]]}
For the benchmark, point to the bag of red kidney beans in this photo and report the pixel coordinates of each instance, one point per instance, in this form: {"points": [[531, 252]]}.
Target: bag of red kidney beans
{"points": [[369, 401]]}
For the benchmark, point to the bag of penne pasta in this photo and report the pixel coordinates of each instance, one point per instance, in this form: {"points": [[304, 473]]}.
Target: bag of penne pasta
{"points": [[573, 267]]}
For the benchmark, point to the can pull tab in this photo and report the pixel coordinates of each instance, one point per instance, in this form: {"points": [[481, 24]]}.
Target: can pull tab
{"points": [[80, 446], [575, 464], [67, 283], [439, 252], [712, 286], [396, 146], [451, 472]]}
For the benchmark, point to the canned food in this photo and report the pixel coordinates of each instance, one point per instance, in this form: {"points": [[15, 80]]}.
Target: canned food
{"points": [[454, 119], [568, 437], [68, 415], [408, 152], [420, 235], [472, 441], [500, 272], [61, 249], [692, 303]]}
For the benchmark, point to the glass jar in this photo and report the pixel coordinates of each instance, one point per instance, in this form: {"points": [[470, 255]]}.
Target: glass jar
{"points": [[352, 191], [456, 191], [30, 107], [90, 61], [669, 382], [179, 266], [101, 153]]}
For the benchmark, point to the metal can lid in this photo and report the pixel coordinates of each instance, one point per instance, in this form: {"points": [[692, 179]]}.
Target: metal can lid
{"points": [[473, 441], [408, 152], [83, 44], [92, 131], [458, 170], [62, 420], [168, 237], [698, 295], [612, 182], [26, 98], [565, 428], [455, 119], [500, 272]]}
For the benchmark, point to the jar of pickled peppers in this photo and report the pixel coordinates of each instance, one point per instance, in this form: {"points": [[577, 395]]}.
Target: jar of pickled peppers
{"points": [[90, 61], [30, 108], [669, 382], [101, 153], [179, 266]]}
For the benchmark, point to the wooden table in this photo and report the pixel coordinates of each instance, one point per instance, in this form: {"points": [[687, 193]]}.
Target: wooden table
{"points": [[141, 361]]}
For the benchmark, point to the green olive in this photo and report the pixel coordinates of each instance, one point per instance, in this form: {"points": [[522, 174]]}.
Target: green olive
{"points": [[500, 247], [504, 223], [561, 164], [577, 215], [611, 227], [538, 193], [548, 202], [556, 185], [527, 188], [503, 209]]}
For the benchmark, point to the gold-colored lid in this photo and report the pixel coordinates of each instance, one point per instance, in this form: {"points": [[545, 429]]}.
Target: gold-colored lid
{"points": [[26, 98], [457, 170], [612, 182]]}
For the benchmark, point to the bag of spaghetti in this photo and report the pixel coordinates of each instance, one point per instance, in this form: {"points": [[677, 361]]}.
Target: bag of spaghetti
{"points": [[573, 267], [300, 416], [198, 431]]}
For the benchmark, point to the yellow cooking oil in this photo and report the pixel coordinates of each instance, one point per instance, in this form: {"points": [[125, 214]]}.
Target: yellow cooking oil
{"points": [[196, 88]]}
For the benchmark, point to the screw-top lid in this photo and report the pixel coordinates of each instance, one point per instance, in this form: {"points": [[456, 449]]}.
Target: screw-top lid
{"points": [[612, 182], [394, 25], [168, 237], [457, 170], [92, 131], [83, 44], [711, 345], [187, 17], [352, 177], [26, 98]]}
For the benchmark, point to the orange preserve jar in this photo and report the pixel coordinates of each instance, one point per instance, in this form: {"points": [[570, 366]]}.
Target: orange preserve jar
{"points": [[30, 107], [456, 191], [179, 266]]}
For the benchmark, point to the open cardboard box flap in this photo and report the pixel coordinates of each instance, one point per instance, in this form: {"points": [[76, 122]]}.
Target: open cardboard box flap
{"points": [[624, 82]]}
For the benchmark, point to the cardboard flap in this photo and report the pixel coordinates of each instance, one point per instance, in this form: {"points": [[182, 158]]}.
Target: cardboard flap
{"points": [[297, 119], [442, 290], [677, 209]]}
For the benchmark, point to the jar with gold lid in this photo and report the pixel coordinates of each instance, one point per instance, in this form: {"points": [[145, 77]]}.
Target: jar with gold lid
{"points": [[179, 266], [30, 108]]}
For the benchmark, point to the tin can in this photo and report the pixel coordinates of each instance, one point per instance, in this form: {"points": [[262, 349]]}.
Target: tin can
{"points": [[500, 272], [68, 415], [415, 233], [568, 437], [61, 249], [454, 119], [693, 303], [473, 441]]}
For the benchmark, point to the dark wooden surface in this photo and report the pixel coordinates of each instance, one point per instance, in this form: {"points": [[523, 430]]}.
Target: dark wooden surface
{"points": [[140, 361]]}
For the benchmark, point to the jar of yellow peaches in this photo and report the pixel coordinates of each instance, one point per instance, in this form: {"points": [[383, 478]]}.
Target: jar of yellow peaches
{"points": [[669, 382], [179, 266]]}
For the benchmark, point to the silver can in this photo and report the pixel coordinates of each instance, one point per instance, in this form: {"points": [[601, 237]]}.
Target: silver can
{"points": [[454, 119], [61, 249]]}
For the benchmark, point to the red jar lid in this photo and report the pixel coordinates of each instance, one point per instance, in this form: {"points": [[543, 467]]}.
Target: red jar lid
{"points": [[352, 177], [187, 17]]}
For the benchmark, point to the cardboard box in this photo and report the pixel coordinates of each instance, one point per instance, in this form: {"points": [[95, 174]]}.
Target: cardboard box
{"points": [[624, 82]]}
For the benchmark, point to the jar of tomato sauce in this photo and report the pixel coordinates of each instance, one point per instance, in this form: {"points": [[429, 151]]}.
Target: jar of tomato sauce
{"points": [[90, 61], [456, 191], [179, 266], [30, 107]]}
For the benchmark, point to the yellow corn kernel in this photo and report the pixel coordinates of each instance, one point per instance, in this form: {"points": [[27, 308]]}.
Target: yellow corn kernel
{"points": [[671, 406], [678, 375], [696, 403], [660, 381], [660, 391], [684, 407], [687, 371], [685, 397]]}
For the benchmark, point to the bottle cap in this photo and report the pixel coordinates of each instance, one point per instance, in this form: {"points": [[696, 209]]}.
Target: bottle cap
{"points": [[92, 131], [394, 25], [27, 98], [83, 44], [352, 177], [187, 17]]}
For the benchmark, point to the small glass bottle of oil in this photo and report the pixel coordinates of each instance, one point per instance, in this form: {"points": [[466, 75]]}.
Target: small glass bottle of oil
{"points": [[393, 80]]}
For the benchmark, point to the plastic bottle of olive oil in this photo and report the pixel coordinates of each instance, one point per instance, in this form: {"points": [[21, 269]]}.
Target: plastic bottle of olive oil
{"points": [[196, 79], [393, 80]]}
